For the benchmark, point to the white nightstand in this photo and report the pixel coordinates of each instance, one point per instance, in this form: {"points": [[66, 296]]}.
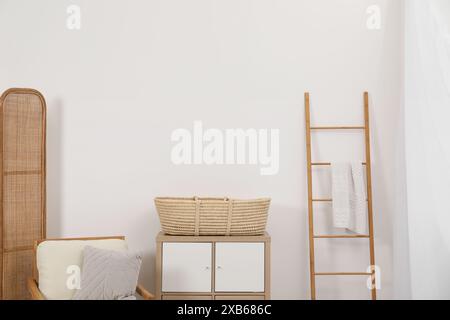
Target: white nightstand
{"points": [[212, 267]]}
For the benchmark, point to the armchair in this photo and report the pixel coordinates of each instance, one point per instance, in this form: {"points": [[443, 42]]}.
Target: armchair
{"points": [[54, 256]]}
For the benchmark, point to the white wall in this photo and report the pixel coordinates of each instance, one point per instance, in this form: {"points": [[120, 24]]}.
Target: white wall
{"points": [[136, 71], [427, 98], [401, 263]]}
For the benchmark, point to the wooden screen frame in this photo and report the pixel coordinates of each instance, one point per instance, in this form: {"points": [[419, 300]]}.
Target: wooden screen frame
{"points": [[43, 174]]}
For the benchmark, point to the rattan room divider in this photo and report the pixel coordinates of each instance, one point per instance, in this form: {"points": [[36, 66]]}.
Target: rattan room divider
{"points": [[22, 184]]}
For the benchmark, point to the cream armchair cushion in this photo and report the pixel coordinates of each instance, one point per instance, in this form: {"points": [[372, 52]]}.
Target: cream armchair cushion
{"points": [[57, 262]]}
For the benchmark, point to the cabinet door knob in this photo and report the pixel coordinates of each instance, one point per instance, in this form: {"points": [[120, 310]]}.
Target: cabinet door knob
{"points": [[219, 267], [207, 268]]}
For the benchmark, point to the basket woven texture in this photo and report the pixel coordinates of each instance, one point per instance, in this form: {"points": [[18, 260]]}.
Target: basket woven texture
{"points": [[212, 216], [22, 186]]}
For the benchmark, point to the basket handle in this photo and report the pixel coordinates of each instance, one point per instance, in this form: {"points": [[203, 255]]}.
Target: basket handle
{"points": [[210, 198], [197, 215], [230, 214]]}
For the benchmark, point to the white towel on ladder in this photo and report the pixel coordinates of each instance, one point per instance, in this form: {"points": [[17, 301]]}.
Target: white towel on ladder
{"points": [[349, 197], [341, 181], [358, 203]]}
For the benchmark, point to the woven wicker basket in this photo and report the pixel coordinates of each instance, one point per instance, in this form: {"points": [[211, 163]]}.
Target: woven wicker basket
{"points": [[212, 216]]}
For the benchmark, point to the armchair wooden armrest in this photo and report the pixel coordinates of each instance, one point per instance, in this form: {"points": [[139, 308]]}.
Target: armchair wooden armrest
{"points": [[36, 294], [144, 293], [33, 288]]}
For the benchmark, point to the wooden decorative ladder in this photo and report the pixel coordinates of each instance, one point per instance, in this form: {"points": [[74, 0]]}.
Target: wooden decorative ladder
{"points": [[312, 200]]}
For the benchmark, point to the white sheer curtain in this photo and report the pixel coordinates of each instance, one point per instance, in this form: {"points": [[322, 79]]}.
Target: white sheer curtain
{"points": [[427, 141]]}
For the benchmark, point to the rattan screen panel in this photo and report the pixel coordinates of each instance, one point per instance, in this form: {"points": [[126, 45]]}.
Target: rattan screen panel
{"points": [[17, 267], [22, 121], [21, 198], [22, 187]]}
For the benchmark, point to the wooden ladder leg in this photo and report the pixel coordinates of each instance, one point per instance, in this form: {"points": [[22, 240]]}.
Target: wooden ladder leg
{"points": [[369, 194], [310, 199]]}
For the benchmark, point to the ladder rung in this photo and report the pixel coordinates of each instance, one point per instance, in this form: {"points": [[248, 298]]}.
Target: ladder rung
{"points": [[325, 200], [341, 236], [328, 163], [342, 273], [338, 128]]}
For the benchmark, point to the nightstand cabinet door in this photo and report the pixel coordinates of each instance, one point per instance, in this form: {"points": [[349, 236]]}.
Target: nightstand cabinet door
{"points": [[239, 267], [186, 267]]}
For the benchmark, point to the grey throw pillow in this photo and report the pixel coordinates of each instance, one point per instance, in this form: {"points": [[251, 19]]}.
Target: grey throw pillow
{"points": [[108, 275]]}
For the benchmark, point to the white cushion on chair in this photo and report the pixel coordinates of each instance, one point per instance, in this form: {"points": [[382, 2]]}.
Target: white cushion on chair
{"points": [[54, 257]]}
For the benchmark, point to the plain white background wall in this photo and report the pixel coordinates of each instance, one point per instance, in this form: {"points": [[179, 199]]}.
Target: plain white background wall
{"points": [[136, 71], [427, 97]]}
